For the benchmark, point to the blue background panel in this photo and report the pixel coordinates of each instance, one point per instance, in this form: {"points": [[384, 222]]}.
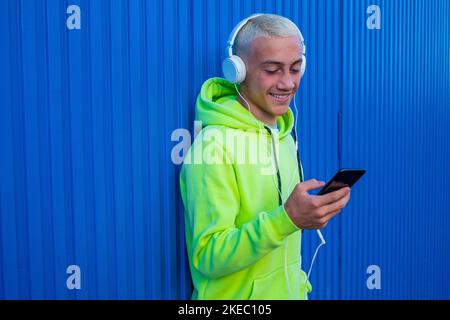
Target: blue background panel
{"points": [[86, 119]]}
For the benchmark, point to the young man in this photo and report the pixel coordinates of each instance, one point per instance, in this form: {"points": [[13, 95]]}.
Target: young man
{"points": [[243, 222]]}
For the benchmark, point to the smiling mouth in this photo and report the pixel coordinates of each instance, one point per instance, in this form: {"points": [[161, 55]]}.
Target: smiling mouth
{"points": [[282, 98]]}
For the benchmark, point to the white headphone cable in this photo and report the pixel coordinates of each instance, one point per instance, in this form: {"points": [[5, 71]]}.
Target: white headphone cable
{"points": [[319, 233]]}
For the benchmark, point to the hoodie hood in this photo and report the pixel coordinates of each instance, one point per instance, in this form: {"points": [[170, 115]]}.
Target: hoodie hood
{"points": [[217, 105]]}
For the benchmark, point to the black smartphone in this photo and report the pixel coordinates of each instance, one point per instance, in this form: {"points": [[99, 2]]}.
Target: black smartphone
{"points": [[343, 178]]}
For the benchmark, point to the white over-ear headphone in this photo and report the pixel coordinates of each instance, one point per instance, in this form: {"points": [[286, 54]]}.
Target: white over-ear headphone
{"points": [[233, 66]]}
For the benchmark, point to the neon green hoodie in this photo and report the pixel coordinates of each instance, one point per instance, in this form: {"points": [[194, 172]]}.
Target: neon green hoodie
{"points": [[241, 243]]}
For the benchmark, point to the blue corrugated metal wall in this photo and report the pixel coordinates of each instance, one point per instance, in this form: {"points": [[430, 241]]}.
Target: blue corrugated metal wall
{"points": [[86, 117]]}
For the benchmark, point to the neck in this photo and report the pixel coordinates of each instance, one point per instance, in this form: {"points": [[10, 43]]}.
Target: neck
{"points": [[258, 113]]}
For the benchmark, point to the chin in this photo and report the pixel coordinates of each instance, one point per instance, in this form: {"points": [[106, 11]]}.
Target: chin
{"points": [[279, 110]]}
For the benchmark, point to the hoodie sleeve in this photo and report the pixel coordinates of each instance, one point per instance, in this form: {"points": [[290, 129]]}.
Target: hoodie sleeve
{"points": [[217, 247]]}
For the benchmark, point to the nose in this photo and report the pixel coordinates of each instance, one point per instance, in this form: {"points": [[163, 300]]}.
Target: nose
{"points": [[286, 82]]}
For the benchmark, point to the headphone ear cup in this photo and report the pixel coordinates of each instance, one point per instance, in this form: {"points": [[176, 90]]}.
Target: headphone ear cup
{"points": [[234, 69], [303, 66]]}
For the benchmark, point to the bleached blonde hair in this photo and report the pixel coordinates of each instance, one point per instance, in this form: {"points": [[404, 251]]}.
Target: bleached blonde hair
{"points": [[266, 25]]}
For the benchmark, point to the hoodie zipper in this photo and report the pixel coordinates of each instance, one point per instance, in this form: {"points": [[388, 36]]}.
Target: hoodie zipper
{"points": [[280, 201]]}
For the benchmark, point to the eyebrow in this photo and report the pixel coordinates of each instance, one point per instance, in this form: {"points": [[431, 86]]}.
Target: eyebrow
{"points": [[279, 63]]}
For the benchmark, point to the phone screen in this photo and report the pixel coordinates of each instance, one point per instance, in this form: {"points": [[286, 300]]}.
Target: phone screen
{"points": [[343, 178]]}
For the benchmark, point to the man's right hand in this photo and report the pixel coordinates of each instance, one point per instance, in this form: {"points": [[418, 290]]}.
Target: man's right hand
{"points": [[314, 212]]}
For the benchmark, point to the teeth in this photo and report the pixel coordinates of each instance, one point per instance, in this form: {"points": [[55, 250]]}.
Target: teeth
{"points": [[279, 96]]}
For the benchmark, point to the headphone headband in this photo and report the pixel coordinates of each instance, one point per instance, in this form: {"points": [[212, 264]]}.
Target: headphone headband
{"points": [[236, 30]]}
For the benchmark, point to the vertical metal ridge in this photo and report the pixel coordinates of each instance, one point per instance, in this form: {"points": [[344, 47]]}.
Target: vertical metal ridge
{"points": [[113, 210], [22, 237], [341, 68], [48, 230], [87, 176]]}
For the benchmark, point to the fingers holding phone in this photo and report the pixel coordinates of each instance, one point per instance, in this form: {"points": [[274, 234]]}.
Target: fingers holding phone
{"points": [[331, 204], [334, 202], [333, 196], [313, 212]]}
